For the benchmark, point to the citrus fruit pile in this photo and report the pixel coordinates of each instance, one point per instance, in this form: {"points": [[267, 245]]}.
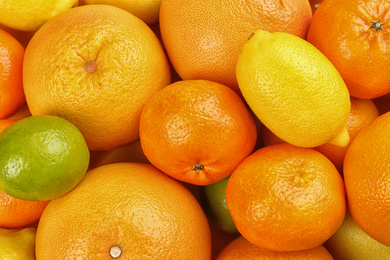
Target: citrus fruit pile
{"points": [[220, 129]]}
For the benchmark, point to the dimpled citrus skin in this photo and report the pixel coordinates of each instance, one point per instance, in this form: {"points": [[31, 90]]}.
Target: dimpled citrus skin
{"points": [[133, 206], [367, 179], [146, 10], [354, 35], [197, 131], [29, 15], [96, 74], [203, 38], [293, 89], [283, 197]]}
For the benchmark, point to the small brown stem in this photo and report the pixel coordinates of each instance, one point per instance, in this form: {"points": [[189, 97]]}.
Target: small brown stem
{"points": [[198, 167]]}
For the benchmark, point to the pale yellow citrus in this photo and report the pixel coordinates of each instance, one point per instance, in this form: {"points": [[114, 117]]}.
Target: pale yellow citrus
{"points": [[146, 10], [17, 244], [29, 15], [293, 89]]}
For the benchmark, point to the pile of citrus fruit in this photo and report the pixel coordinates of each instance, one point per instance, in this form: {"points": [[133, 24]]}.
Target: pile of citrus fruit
{"points": [[221, 129]]}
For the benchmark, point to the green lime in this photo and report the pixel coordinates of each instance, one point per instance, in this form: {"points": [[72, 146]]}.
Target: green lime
{"points": [[41, 158], [214, 204]]}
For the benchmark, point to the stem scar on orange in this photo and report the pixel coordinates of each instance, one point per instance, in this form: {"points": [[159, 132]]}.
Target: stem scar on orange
{"points": [[197, 131], [354, 36]]}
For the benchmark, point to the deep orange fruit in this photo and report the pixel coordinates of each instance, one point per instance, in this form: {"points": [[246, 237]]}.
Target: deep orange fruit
{"points": [[11, 82], [354, 36], [197, 131], [285, 198], [367, 179]]}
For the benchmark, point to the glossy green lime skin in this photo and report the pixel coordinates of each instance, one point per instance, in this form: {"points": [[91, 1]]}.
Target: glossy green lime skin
{"points": [[214, 204], [41, 158]]}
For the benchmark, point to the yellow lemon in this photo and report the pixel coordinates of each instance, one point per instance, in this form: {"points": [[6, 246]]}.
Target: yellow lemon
{"points": [[294, 89], [17, 244], [146, 10], [29, 15]]}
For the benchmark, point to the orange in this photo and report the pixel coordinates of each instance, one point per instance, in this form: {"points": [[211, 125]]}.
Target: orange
{"points": [[240, 248], [124, 211], [367, 179], [363, 112], [11, 81], [204, 38], [96, 74], [286, 198], [197, 131], [354, 36], [17, 213]]}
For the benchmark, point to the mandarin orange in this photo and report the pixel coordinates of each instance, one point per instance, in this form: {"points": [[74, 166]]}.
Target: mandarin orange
{"points": [[285, 198], [354, 36], [204, 38], [17, 213], [11, 81], [367, 179], [197, 131]]}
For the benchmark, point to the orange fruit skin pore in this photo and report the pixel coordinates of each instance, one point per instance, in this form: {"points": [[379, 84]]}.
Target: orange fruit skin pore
{"points": [[286, 198], [11, 82], [240, 248], [352, 34], [367, 179], [197, 131], [204, 38], [130, 207], [95, 65]]}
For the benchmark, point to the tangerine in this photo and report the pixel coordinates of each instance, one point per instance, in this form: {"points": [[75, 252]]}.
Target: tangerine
{"points": [[354, 36], [286, 198], [367, 179], [197, 131], [11, 82]]}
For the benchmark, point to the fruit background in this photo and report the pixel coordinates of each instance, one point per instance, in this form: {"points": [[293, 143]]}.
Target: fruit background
{"points": [[219, 129]]}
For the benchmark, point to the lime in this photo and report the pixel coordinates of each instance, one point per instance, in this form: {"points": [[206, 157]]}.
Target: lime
{"points": [[214, 204], [41, 157], [17, 244]]}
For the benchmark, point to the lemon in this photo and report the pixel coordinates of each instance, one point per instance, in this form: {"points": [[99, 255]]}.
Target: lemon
{"points": [[17, 244], [29, 15], [41, 158], [293, 89], [146, 10]]}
